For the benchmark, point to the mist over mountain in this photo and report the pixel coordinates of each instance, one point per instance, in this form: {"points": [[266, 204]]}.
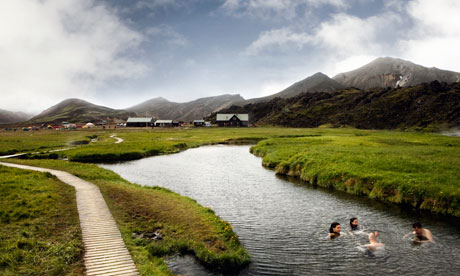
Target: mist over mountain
{"points": [[10, 117], [161, 108], [315, 83], [77, 110], [393, 72]]}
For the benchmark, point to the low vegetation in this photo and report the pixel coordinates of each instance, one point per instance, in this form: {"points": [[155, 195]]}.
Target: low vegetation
{"points": [[156, 223], [39, 225], [418, 170], [429, 107]]}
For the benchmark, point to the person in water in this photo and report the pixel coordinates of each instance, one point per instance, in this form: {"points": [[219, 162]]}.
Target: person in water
{"points": [[421, 234], [354, 224], [373, 243], [334, 230]]}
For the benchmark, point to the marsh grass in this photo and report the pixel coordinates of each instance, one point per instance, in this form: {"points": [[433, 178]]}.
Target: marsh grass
{"points": [[417, 170], [185, 226], [409, 168], [39, 226]]}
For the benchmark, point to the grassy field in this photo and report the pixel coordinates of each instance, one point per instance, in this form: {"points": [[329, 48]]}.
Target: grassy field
{"points": [[185, 226], [420, 170], [417, 169], [39, 225]]}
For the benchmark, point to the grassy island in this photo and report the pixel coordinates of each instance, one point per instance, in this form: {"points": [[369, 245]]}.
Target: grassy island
{"points": [[420, 170]]}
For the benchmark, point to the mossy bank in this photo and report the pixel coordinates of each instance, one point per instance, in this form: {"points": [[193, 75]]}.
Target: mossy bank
{"points": [[412, 169], [156, 223]]}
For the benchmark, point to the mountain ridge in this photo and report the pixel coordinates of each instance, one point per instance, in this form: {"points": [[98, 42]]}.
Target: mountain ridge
{"points": [[75, 110], [392, 72], [163, 109]]}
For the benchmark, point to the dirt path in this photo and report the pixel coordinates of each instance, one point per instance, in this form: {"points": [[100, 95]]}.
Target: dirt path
{"points": [[119, 140], [105, 251]]}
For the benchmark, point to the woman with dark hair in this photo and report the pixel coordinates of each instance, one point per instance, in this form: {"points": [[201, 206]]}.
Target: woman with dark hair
{"points": [[334, 230], [354, 224]]}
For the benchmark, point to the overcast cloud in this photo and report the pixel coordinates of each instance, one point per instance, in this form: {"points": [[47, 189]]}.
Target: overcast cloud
{"points": [[119, 53]]}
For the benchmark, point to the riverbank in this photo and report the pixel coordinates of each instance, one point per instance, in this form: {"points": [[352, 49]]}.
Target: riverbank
{"points": [[408, 168], [156, 223], [411, 169], [39, 225]]}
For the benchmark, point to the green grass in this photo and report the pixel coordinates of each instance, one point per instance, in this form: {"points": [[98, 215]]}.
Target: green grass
{"points": [[416, 169], [186, 227], [419, 170], [31, 141], [39, 226]]}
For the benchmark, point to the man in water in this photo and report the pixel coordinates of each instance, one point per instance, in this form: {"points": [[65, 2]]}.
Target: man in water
{"points": [[373, 244], [421, 234]]}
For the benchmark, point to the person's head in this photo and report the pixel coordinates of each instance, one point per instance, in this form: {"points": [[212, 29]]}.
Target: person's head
{"points": [[335, 228], [417, 228], [354, 223]]}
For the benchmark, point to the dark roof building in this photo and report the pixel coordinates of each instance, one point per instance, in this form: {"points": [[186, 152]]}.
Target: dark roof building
{"points": [[232, 120]]}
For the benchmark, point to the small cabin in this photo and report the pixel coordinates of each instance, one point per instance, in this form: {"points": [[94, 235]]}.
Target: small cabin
{"points": [[139, 122], [198, 123], [164, 123], [232, 120]]}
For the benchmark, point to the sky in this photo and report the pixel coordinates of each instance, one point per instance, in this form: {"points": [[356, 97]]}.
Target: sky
{"points": [[119, 53]]}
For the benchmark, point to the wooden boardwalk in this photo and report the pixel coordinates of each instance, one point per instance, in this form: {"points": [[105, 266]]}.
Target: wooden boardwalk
{"points": [[105, 251]]}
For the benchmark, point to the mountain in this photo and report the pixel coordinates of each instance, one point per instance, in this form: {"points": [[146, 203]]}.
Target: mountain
{"points": [[77, 110], [10, 117], [393, 72], [318, 82], [430, 106], [161, 108]]}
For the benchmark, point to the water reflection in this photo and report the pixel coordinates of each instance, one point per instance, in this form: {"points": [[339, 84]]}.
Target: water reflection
{"points": [[284, 224]]}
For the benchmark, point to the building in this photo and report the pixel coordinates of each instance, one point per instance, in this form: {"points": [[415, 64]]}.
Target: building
{"points": [[198, 123], [164, 123], [139, 122], [232, 120]]}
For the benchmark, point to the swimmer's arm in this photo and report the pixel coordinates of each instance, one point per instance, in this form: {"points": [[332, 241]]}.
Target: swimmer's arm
{"points": [[407, 235]]}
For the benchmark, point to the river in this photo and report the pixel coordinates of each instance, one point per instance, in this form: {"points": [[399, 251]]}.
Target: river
{"points": [[283, 223]]}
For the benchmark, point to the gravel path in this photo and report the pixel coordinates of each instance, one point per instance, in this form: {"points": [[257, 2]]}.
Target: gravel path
{"points": [[105, 251], [119, 140]]}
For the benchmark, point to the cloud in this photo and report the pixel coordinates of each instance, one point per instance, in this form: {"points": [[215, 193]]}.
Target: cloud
{"points": [[280, 39], [52, 50], [168, 34], [283, 9], [435, 35], [155, 4]]}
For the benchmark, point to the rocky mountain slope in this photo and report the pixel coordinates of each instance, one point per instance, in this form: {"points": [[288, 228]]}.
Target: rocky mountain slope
{"points": [[161, 108], [393, 72], [77, 110], [431, 106], [10, 117], [318, 82]]}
